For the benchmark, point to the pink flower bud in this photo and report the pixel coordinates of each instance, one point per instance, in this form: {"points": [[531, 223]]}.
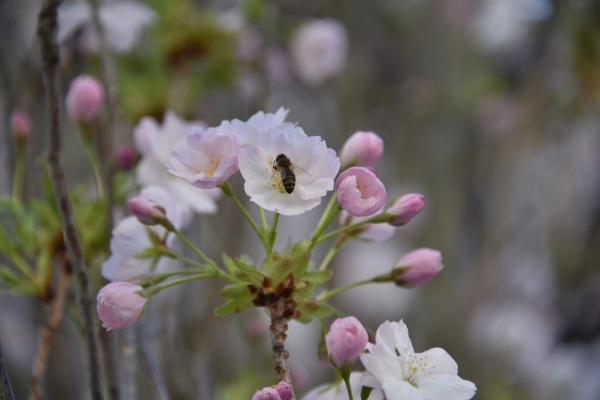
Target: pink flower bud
{"points": [[20, 124], [284, 390], [406, 208], [360, 192], [346, 340], [84, 99], [147, 211], [126, 158], [364, 149], [417, 267], [266, 394], [119, 304]]}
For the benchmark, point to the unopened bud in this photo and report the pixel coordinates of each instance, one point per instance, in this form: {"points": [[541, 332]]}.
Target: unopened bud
{"points": [[147, 211], [20, 124], [406, 208], [417, 267]]}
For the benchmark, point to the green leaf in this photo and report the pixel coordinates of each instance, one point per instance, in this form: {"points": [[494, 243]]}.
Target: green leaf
{"points": [[365, 392], [235, 291], [318, 277], [233, 306], [242, 269], [310, 309]]}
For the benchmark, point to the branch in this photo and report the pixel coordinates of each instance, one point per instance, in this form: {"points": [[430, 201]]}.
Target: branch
{"points": [[55, 319], [47, 24], [279, 327], [6, 392]]}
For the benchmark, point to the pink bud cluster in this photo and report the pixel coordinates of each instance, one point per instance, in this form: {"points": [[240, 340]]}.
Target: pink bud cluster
{"points": [[281, 391]]}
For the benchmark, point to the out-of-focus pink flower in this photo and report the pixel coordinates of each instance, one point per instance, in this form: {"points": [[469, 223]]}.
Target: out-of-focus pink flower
{"points": [[126, 158], [319, 50], [346, 340], [266, 394], [120, 304], [373, 232], [284, 390], [364, 149], [406, 208], [360, 192], [84, 99], [206, 159], [417, 267], [20, 124], [146, 211]]}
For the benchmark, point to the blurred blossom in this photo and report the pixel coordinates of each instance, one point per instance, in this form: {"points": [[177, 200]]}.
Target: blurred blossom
{"points": [[84, 98], [314, 165], [126, 158], [319, 50], [401, 373], [207, 159], [284, 390], [130, 238], [249, 84], [417, 267], [503, 24], [20, 124], [360, 192], [339, 392], [346, 340], [372, 232], [156, 143], [123, 23], [232, 19], [266, 394], [364, 149], [119, 304], [277, 65]]}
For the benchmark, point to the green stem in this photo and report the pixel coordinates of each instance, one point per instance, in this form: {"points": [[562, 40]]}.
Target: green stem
{"points": [[161, 277], [332, 252], [193, 247], [151, 291], [263, 219], [92, 156], [346, 378], [272, 234], [377, 219], [17, 189], [226, 188], [330, 293], [328, 215]]}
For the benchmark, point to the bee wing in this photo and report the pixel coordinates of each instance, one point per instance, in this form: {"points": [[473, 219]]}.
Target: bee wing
{"points": [[298, 169]]}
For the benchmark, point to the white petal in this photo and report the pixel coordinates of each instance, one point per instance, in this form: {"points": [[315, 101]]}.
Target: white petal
{"points": [[382, 363], [397, 389], [70, 18], [401, 338], [446, 387], [122, 34], [439, 362], [266, 121]]}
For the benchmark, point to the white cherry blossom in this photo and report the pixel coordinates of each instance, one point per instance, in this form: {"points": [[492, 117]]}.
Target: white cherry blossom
{"points": [[405, 375], [156, 143], [314, 165]]}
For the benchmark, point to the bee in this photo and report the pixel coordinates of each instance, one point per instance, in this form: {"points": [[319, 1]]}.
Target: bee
{"points": [[284, 166]]}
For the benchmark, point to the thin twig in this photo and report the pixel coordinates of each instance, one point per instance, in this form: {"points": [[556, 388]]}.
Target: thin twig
{"points": [[47, 25], [55, 319], [6, 392]]}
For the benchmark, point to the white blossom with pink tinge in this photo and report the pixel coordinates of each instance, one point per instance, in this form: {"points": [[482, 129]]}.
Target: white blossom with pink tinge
{"points": [[402, 374], [119, 304], [156, 143], [360, 192], [313, 163], [339, 392], [206, 159]]}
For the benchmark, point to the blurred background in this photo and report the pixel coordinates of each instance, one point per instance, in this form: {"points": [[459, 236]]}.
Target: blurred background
{"points": [[490, 108]]}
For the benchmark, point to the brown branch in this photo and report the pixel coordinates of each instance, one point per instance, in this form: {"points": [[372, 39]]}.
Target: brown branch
{"points": [[55, 319], [279, 327], [6, 392], [47, 24]]}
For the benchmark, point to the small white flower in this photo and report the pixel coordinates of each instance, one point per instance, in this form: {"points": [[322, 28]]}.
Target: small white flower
{"points": [[206, 159], [319, 50], [314, 165], [256, 126], [123, 23], [339, 392], [406, 375], [156, 143], [130, 237]]}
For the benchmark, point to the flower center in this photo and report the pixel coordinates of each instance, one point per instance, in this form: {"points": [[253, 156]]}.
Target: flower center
{"points": [[214, 161], [415, 365]]}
